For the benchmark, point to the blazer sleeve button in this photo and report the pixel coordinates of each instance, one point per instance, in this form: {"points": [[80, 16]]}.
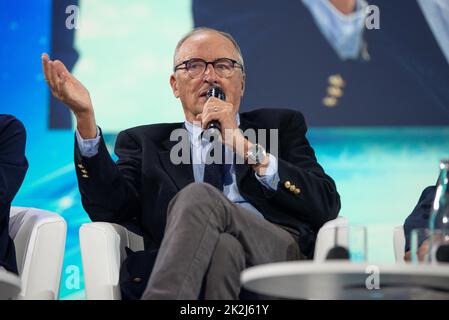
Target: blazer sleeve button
{"points": [[137, 280]]}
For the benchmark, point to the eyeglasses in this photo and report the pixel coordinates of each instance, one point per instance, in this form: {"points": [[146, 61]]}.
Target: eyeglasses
{"points": [[224, 67]]}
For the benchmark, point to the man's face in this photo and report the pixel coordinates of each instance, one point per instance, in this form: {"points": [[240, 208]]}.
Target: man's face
{"points": [[208, 46]]}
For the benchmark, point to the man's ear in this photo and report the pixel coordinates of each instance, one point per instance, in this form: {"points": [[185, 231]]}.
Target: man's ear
{"points": [[174, 85], [243, 84]]}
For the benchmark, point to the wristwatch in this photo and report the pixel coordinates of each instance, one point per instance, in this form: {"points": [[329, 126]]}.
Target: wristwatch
{"points": [[256, 154]]}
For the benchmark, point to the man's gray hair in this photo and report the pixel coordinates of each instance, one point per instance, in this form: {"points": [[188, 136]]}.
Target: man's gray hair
{"points": [[205, 29]]}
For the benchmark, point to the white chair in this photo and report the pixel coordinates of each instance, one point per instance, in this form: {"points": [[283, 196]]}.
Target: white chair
{"points": [[103, 250], [39, 238]]}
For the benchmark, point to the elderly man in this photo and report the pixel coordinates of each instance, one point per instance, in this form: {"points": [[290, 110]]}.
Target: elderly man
{"points": [[203, 223]]}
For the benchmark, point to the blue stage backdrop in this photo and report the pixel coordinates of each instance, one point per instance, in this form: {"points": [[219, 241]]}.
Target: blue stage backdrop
{"points": [[122, 51]]}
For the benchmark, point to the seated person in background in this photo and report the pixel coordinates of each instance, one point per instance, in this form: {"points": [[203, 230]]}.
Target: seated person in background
{"points": [[419, 218], [204, 234], [13, 166]]}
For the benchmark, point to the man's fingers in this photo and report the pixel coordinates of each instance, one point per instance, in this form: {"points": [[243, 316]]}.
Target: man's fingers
{"points": [[55, 74], [60, 68], [52, 76], [62, 75], [49, 73], [214, 100], [208, 117], [45, 66], [59, 85]]}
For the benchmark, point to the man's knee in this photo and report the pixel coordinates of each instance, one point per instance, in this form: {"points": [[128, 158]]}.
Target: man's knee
{"points": [[196, 198]]}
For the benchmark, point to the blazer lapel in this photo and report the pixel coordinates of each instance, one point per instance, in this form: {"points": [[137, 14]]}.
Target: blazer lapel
{"points": [[182, 174]]}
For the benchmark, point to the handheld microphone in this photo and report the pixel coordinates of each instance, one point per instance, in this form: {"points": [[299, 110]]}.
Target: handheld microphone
{"points": [[216, 92]]}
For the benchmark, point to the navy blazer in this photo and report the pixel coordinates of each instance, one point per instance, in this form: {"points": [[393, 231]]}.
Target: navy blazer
{"points": [[419, 218], [139, 187], [13, 166]]}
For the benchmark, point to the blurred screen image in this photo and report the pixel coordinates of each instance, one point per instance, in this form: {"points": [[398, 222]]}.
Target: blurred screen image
{"points": [[378, 119]]}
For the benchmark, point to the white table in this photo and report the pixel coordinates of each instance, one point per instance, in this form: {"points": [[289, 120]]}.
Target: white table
{"points": [[9, 285], [345, 280]]}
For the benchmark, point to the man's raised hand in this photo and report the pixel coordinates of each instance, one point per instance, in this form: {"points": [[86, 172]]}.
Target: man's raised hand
{"points": [[65, 87]]}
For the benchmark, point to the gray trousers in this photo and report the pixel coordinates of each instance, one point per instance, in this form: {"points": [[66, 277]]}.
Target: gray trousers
{"points": [[208, 241]]}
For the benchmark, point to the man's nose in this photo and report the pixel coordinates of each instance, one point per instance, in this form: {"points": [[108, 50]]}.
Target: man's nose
{"points": [[209, 74]]}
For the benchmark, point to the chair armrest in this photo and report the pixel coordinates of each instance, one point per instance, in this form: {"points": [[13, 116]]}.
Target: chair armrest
{"points": [[103, 250], [39, 237]]}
